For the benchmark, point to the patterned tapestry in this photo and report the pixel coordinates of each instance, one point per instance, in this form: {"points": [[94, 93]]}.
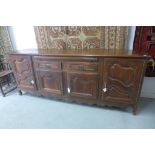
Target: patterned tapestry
{"points": [[144, 43], [81, 37], [5, 42]]}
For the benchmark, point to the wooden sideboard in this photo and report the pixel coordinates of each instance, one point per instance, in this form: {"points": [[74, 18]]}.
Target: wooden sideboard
{"points": [[104, 78]]}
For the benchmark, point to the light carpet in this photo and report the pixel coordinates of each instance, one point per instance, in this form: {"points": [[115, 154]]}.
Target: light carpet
{"points": [[31, 112]]}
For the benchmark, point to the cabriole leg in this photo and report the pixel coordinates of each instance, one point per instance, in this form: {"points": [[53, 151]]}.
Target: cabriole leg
{"points": [[20, 92], [135, 108]]}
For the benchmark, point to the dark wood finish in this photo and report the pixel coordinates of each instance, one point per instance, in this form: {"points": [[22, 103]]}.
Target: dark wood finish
{"points": [[46, 63], [93, 53], [23, 70], [50, 82], [112, 78], [83, 85], [121, 79], [49, 76], [80, 66]]}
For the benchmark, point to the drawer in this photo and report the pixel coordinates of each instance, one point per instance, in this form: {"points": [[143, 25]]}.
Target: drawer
{"points": [[47, 64], [80, 66]]}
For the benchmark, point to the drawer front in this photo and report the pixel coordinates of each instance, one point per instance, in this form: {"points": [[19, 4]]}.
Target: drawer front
{"points": [[44, 63], [80, 66]]}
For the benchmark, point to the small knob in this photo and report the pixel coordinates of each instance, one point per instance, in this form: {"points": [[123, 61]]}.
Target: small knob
{"points": [[32, 82], [104, 89]]}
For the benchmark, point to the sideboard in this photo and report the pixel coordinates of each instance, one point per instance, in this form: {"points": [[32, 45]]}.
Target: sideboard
{"points": [[100, 77]]}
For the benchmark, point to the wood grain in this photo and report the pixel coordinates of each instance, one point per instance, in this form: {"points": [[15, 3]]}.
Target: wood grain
{"points": [[87, 76]]}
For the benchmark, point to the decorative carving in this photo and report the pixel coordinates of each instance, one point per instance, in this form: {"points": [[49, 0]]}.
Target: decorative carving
{"points": [[93, 78], [22, 66], [120, 77], [23, 70], [120, 81], [124, 74], [116, 88]]}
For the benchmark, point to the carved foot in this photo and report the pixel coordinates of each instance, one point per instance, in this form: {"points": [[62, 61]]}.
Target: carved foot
{"points": [[3, 94], [20, 92]]}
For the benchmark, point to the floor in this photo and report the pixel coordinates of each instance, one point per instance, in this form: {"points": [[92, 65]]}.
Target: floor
{"points": [[31, 112]]}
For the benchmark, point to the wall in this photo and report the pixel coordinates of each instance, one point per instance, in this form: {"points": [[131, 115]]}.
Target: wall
{"points": [[131, 37], [23, 37], [148, 87]]}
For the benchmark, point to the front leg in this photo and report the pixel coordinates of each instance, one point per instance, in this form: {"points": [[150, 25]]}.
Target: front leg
{"points": [[20, 92], [135, 108]]}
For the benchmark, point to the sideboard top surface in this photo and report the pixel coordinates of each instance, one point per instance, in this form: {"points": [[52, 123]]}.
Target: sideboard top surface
{"points": [[80, 53]]}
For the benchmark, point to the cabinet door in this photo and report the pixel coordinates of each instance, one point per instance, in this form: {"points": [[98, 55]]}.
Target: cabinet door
{"points": [[50, 82], [23, 70], [122, 80], [83, 85]]}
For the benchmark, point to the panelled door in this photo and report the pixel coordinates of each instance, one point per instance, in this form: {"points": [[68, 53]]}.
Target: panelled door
{"points": [[49, 76], [50, 82], [121, 80], [83, 85], [22, 67]]}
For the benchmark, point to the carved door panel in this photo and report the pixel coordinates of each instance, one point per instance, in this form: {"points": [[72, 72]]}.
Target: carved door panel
{"points": [[50, 82], [83, 85], [121, 80], [22, 67]]}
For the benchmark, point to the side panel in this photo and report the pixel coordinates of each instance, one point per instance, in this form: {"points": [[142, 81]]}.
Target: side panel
{"points": [[23, 70]]}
